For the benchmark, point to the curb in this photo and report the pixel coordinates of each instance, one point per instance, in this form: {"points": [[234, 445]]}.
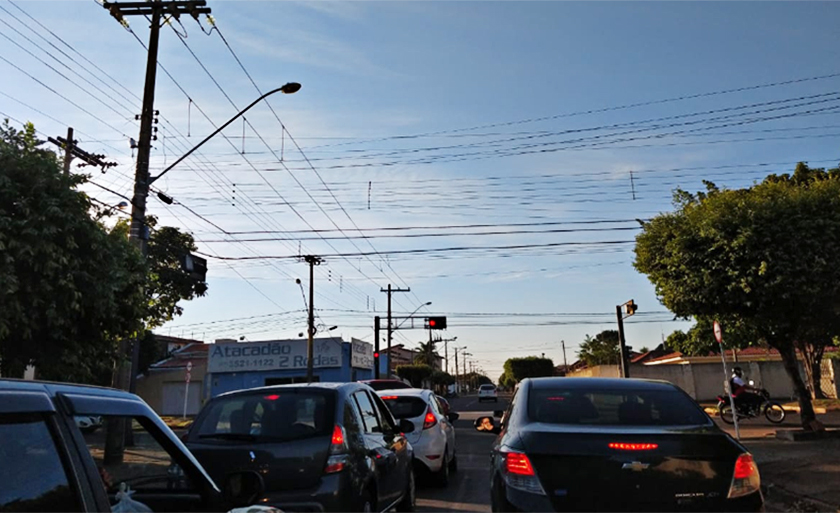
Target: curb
{"points": [[777, 494]]}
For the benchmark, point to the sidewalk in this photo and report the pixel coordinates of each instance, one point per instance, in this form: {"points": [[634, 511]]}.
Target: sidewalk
{"points": [[799, 476]]}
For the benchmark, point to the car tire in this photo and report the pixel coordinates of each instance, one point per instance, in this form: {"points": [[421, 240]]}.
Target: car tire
{"points": [[453, 465], [367, 503], [442, 475], [409, 501]]}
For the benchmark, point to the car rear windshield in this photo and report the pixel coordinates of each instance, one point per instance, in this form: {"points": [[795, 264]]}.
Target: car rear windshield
{"points": [[487, 387], [615, 408], [274, 416], [405, 407]]}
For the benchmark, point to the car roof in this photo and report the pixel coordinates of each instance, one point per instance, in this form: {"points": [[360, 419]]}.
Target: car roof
{"points": [[598, 383], [314, 386], [405, 392], [52, 388]]}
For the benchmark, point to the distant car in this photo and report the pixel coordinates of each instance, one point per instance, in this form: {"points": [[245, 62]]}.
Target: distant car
{"points": [[385, 384], [433, 437], [487, 393], [47, 464], [318, 447], [592, 444]]}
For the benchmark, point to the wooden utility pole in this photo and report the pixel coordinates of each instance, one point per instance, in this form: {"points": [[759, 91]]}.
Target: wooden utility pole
{"points": [[390, 327], [138, 233], [68, 150], [310, 351], [565, 362]]}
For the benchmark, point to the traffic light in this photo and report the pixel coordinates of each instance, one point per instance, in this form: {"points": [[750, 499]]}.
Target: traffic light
{"points": [[630, 308], [435, 323]]}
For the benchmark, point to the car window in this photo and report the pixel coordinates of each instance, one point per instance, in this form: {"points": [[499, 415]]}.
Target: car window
{"points": [[435, 405], [32, 475], [405, 407], [370, 421], [145, 466], [487, 387], [266, 417], [614, 407], [389, 425], [353, 423]]}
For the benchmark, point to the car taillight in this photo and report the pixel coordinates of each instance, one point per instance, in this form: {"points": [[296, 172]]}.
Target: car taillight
{"points": [[519, 473], [338, 451], [745, 478], [429, 420], [518, 463], [389, 397], [633, 447]]}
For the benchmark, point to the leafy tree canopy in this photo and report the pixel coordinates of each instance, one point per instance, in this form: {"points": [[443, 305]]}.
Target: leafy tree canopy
{"points": [[517, 369], [414, 373], [602, 349], [764, 255]]}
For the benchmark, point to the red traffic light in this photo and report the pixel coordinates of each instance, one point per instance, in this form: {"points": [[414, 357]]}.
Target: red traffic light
{"points": [[432, 323], [376, 355], [436, 323]]}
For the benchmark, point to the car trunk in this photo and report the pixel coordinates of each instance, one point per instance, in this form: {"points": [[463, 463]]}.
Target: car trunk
{"points": [[690, 469], [411, 408], [290, 465]]}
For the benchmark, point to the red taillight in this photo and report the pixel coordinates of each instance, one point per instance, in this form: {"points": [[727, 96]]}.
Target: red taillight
{"points": [[338, 436], [744, 466], [633, 447], [518, 463], [429, 420], [272, 397], [388, 397]]}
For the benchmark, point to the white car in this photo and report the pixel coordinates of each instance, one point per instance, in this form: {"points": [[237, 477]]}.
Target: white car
{"points": [[487, 393], [433, 438]]}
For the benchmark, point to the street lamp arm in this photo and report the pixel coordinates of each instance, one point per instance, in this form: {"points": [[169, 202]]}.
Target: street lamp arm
{"points": [[288, 89]]}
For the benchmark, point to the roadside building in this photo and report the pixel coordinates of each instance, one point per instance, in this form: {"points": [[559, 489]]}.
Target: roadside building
{"points": [[167, 386], [240, 365]]}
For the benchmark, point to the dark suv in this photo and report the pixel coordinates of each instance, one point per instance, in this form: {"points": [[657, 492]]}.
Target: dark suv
{"points": [[319, 447], [48, 464]]}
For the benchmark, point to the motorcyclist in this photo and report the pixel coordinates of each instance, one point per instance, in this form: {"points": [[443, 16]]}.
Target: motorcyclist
{"points": [[746, 397]]}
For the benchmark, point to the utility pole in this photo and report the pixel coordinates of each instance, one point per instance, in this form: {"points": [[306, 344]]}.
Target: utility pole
{"points": [[71, 151], [68, 150], [621, 311], [115, 437], [310, 357], [565, 362], [377, 321], [456, 371], [390, 291]]}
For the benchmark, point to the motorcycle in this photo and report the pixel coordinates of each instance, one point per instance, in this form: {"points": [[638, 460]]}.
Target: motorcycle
{"points": [[772, 410]]}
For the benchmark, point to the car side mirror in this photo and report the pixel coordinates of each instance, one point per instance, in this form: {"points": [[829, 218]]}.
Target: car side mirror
{"points": [[453, 417], [243, 488], [406, 426], [486, 425], [499, 413]]}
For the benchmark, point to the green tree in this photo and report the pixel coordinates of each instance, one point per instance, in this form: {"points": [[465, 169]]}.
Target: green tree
{"points": [[699, 340], [518, 369], [414, 373], [602, 349], [764, 255], [427, 355], [68, 288]]}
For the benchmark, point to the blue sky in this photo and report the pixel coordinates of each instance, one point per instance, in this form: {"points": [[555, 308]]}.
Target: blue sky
{"points": [[450, 113]]}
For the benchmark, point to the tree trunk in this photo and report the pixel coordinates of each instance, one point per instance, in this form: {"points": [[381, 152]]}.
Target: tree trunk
{"points": [[807, 415], [812, 359]]}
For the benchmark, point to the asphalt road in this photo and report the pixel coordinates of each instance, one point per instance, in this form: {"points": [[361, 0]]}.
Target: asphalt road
{"points": [[469, 488]]}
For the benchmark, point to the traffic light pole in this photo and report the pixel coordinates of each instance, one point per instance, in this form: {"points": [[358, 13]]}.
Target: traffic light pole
{"points": [[390, 291], [622, 344]]}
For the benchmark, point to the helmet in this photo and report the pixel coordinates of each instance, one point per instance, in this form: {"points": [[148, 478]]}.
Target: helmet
{"points": [[737, 371]]}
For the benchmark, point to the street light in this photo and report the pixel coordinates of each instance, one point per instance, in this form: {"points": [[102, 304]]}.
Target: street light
{"points": [[412, 313]]}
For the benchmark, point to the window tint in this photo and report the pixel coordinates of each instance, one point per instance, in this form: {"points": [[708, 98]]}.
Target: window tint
{"points": [[405, 407], [614, 407], [32, 476], [370, 421], [267, 417], [487, 387], [146, 465]]}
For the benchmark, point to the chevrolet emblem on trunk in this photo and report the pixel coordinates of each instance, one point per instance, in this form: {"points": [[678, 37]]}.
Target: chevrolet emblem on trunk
{"points": [[635, 466]]}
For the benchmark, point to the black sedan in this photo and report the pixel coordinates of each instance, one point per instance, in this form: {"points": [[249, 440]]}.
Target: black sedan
{"points": [[591, 444], [319, 447]]}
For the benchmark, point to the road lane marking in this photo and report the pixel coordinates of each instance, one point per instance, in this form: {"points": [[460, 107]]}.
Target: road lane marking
{"points": [[453, 506]]}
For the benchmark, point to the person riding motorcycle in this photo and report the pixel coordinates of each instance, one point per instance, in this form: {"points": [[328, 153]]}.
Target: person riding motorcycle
{"points": [[746, 397]]}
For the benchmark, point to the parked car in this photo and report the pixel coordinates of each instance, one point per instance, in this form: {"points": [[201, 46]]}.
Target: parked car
{"points": [[48, 464], [592, 444], [487, 393], [318, 447], [433, 436], [385, 384]]}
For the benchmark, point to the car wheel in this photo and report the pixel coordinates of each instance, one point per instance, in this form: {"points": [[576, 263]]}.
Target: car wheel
{"points": [[409, 502], [442, 476], [453, 465]]}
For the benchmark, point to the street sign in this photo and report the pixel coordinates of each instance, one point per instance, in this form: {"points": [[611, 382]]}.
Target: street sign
{"points": [[718, 333]]}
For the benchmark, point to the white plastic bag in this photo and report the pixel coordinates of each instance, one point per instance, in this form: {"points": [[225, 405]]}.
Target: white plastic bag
{"points": [[125, 504]]}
